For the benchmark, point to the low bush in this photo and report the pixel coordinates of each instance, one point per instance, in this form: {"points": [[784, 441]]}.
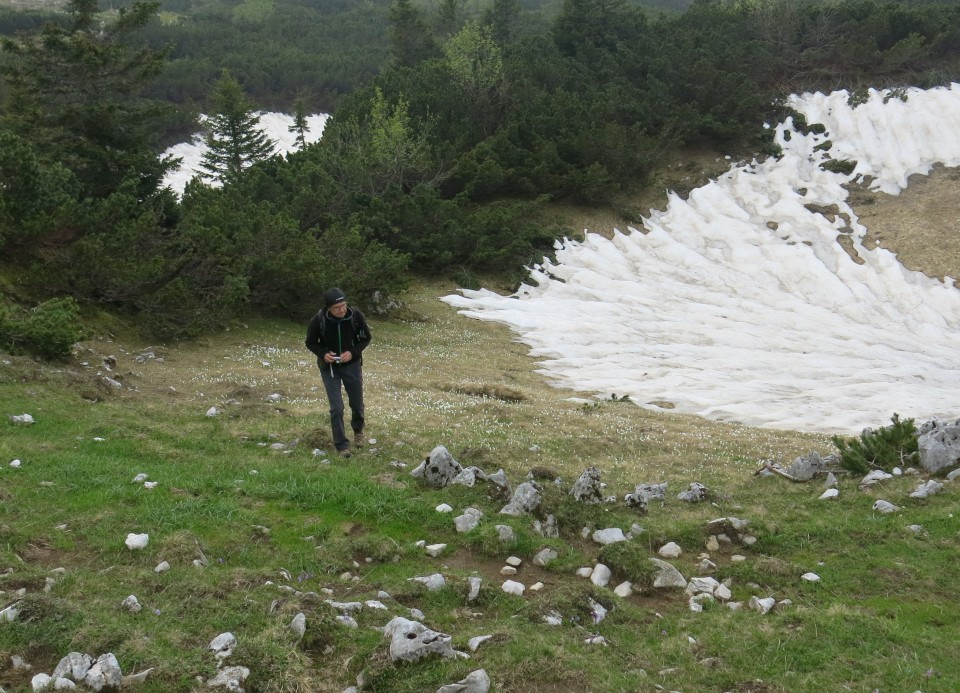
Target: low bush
{"points": [[885, 448], [48, 331]]}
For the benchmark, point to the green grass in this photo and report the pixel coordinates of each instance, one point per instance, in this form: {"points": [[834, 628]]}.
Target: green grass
{"points": [[882, 617]]}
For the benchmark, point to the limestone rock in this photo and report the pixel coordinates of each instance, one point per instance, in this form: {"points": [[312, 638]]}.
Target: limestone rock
{"points": [[231, 678], [696, 493], [670, 550], [643, 494], [939, 447], [105, 673], [137, 541], [611, 535], [525, 500], [588, 488], [439, 469], [411, 641], [476, 682], [667, 575], [545, 557]]}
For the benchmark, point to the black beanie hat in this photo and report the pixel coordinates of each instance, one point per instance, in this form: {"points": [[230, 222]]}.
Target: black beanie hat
{"points": [[333, 297]]}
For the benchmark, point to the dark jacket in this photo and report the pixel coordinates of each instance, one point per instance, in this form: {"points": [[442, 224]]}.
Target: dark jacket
{"points": [[327, 333]]}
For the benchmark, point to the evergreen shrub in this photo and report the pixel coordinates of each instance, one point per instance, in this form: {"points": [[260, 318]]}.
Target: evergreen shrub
{"points": [[49, 330], [885, 448]]}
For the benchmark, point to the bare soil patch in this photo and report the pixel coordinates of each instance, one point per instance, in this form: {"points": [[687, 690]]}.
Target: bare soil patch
{"points": [[921, 225]]}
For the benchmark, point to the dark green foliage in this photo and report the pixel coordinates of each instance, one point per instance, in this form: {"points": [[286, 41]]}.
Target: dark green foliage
{"points": [[36, 199], [75, 95], [885, 448], [48, 330], [234, 138]]}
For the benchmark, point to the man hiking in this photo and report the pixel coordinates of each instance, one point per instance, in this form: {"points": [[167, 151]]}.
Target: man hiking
{"points": [[338, 334]]}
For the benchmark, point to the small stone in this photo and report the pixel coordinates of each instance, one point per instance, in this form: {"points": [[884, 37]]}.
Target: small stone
{"points": [[475, 642], [670, 550], [810, 577], [536, 587], [514, 561], [624, 589], [600, 575], [584, 572], [512, 587], [131, 604], [762, 606], [137, 541], [298, 626], [545, 557], [508, 570], [882, 506], [829, 494], [435, 550], [444, 508], [475, 583]]}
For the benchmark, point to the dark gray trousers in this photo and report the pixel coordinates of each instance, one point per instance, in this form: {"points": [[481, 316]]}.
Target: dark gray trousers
{"points": [[350, 376]]}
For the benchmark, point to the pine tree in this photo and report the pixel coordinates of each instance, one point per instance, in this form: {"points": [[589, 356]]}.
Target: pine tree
{"points": [[234, 138], [299, 126], [410, 39], [75, 94]]}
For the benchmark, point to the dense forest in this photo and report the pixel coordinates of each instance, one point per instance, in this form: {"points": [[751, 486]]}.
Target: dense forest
{"points": [[454, 123]]}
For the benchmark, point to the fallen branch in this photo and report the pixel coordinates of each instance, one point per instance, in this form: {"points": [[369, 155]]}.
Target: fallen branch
{"points": [[768, 467]]}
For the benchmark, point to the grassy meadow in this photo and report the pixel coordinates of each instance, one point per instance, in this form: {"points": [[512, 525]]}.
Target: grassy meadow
{"points": [[278, 529]]}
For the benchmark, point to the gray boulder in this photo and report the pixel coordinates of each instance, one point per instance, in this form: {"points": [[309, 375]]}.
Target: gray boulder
{"points": [[588, 488], [525, 500], [476, 682], [696, 493], [644, 493], [411, 641], [104, 674], [439, 469], [939, 446], [667, 575]]}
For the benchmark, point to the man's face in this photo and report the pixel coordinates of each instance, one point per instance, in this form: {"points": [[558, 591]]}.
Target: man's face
{"points": [[338, 310]]}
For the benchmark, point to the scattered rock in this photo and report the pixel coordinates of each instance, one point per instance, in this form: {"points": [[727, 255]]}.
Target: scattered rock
{"points": [[670, 550], [439, 469], [545, 557], [222, 645], [925, 490], [696, 493], [667, 576], [939, 446], [431, 582], [588, 488], [476, 682], [131, 604], [298, 626], [137, 541], [882, 506], [762, 606], [612, 535], [513, 587], [231, 678], [600, 575], [525, 500], [411, 641], [643, 494]]}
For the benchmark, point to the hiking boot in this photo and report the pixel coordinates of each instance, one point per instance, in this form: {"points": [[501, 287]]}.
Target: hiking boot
{"points": [[358, 440], [344, 453]]}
